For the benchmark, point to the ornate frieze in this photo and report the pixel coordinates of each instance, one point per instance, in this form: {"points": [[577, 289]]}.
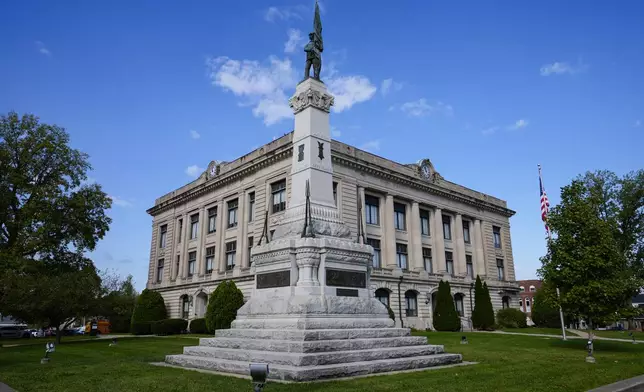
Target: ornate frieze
{"points": [[311, 97]]}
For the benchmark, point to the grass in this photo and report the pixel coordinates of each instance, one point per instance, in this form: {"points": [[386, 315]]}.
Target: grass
{"points": [[505, 363], [43, 340], [639, 335], [542, 331]]}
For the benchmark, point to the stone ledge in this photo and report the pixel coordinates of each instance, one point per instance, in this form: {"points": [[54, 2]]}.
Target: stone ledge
{"points": [[635, 384], [311, 335]]}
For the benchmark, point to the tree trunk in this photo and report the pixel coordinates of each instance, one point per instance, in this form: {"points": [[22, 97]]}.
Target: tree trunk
{"points": [[59, 334]]}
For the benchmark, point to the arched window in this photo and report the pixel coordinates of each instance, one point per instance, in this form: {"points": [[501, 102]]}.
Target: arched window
{"points": [[411, 304], [505, 301], [458, 302], [521, 305], [528, 308], [201, 304], [533, 289], [185, 307], [382, 295], [522, 288]]}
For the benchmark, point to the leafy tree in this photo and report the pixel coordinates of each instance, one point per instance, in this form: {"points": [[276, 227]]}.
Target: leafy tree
{"points": [[53, 292], [445, 315], [545, 311], [223, 305], [117, 303], [483, 313], [597, 251], [149, 307]]}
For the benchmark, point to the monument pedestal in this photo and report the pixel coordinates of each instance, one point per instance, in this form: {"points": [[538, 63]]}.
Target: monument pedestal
{"points": [[311, 314]]}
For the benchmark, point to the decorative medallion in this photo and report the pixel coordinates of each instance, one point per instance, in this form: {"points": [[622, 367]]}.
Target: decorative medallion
{"points": [[312, 98]]}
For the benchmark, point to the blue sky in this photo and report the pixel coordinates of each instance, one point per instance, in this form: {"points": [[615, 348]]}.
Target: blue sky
{"points": [[154, 90]]}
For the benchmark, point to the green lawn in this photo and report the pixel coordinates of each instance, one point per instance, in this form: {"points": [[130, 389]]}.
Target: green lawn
{"points": [[542, 331], [506, 363], [43, 340], [639, 335]]}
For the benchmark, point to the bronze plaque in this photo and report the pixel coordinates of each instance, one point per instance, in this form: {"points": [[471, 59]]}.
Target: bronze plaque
{"points": [[345, 278], [346, 292], [274, 279]]}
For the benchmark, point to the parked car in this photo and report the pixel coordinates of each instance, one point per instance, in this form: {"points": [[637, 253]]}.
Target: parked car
{"points": [[14, 332]]}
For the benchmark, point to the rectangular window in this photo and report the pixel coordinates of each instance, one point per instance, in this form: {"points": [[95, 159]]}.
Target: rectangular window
{"points": [[372, 210], [500, 269], [376, 263], [194, 226], [251, 206], [278, 191], [231, 251], [335, 193], [192, 260], [180, 230], [469, 266], [427, 260], [466, 231], [449, 263], [163, 235], [424, 222], [210, 259], [497, 236], [399, 216], [447, 227], [212, 220], [401, 255], [233, 206], [160, 271], [250, 246]]}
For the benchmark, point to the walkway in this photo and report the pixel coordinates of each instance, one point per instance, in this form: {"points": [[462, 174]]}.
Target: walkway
{"points": [[570, 334]]}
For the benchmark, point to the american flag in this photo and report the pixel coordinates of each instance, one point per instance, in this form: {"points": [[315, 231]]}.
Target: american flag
{"points": [[545, 204]]}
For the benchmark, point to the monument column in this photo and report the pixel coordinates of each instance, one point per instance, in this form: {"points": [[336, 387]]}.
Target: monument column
{"points": [[415, 251], [479, 254], [390, 233], [459, 248], [438, 240]]}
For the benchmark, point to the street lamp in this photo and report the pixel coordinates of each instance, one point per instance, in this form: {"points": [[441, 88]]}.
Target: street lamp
{"points": [[398, 273], [258, 374]]}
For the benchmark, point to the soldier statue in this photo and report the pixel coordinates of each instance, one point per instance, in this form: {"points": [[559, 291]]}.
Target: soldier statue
{"points": [[313, 57]]}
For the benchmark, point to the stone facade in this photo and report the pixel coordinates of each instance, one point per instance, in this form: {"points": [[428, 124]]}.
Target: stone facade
{"points": [[202, 232]]}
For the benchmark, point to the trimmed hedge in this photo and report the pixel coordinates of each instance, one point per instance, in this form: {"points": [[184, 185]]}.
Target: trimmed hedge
{"points": [[511, 318], [223, 305], [141, 328], [149, 307], [445, 315], [169, 326], [198, 326]]}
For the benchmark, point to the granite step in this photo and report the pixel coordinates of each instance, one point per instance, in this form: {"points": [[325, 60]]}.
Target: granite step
{"points": [[313, 359], [313, 334], [318, 372], [313, 346]]}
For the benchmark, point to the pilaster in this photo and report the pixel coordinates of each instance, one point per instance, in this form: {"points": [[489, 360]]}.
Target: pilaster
{"points": [[438, 241], [459, 247], [201, 240], [479, 254], [389, 239], [362, 220], [220, 250], [183, 258], [241, 234], [415, 242]]}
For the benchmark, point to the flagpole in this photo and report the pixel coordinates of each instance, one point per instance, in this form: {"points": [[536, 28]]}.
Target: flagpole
{"points": [[561, 316]]}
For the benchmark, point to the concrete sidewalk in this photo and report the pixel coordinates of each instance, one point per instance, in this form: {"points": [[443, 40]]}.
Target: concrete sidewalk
{"points": [[570, 334]]}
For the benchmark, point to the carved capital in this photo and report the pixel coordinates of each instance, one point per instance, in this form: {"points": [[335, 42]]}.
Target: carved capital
{"points": [[311, 97]]}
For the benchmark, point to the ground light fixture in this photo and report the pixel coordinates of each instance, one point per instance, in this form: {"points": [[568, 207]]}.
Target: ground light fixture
{"points": [[589, 346], [49, 348], [464, 340], [258, 374]]}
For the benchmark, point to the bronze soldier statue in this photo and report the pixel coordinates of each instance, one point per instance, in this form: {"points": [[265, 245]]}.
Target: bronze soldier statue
{"points": [[313, 57]]}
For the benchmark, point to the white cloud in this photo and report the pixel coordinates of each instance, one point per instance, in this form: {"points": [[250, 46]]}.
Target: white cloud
{"points": [[489, 131], [273, 14], [349, 90], [335, 132], [295, 39], [421, 108], [371, 146], [42, 48], [194, 171], [389, 85], [637, 123], [521, 123], [194, 134], [561, 68], [117, 201]]}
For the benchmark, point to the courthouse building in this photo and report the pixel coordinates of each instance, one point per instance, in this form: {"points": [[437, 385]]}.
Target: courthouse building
{"points": [[423, 229]]}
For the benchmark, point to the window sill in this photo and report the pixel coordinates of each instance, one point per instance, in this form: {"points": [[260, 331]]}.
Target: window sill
{"points": [[232, 227], [373, 224], [402, 231], [212, 232]]}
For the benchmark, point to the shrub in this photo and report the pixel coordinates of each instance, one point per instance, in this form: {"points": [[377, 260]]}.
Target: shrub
{"points": [[483, 313], [511, 318], [545, 312], [445, 316], [141, 328], [149, 307], [169, 326], [392, 315], [198, 326], [223, 305]]}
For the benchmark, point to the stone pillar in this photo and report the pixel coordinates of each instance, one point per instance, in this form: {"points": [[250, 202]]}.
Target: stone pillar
{"points": [[438, 241], [183, 262], [479, 254], [241, 233], [389, 238], [363, 218], [169, 263], [220, 250], [415, 242], [459, 247], [201, 240]]}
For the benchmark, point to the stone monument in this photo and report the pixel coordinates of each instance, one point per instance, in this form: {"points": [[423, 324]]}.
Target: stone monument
{"points": [[311, 314]]}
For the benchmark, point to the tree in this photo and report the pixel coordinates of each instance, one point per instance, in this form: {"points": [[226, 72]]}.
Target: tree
{"points": [[445, 315], [52, 292], [117, 302], [596, 254], [545, 311], [149, 307], [483, 313], [223, 305], [49, 214]]}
